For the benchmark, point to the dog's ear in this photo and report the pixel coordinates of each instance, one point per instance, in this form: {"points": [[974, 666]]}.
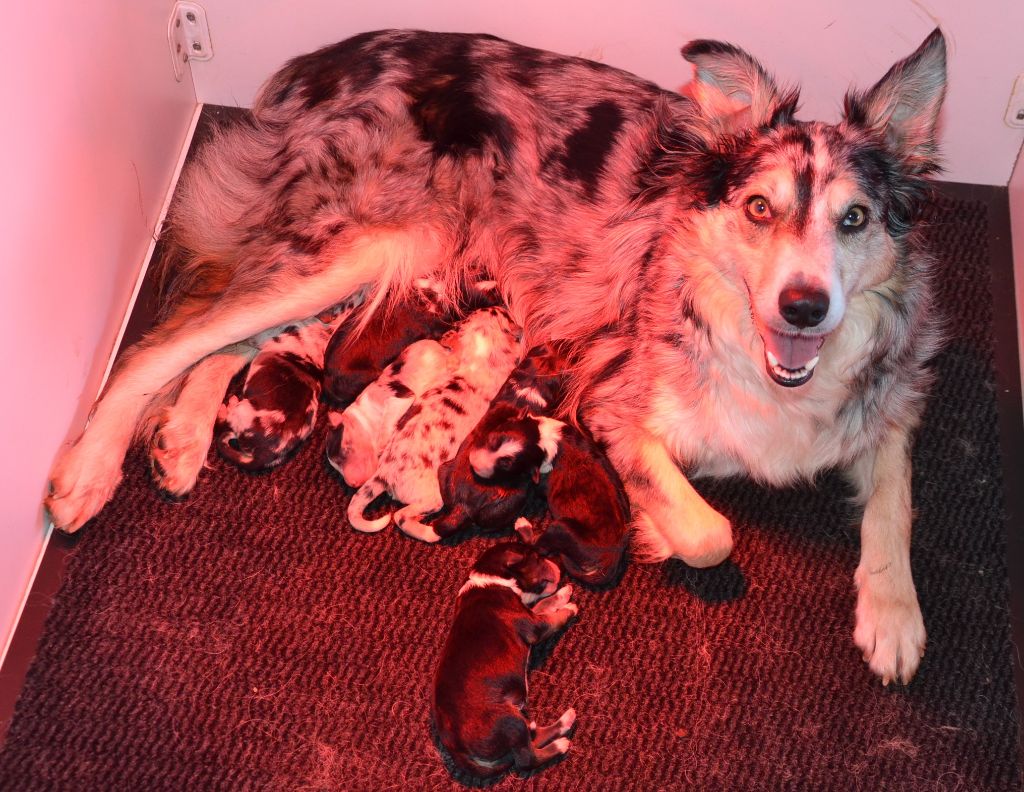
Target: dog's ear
{"points": [[903, 107], [733, 91]]}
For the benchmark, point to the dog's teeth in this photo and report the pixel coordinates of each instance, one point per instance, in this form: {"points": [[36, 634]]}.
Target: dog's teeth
{"points": [[810, 364], [774, 361]]}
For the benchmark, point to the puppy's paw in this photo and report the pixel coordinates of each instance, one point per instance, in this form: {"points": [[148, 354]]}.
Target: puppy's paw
{"points": [[177, 453], [409, 523], [561, 745], [556, 601], [889, 628], [83, 480]]}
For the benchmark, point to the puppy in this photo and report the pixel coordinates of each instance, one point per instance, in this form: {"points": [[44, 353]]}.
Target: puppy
{"points": [[486, 347], [277, 408], [587, 520], [355, 358], [358, 434], [494, 505], [357, 355], [480, 686]]}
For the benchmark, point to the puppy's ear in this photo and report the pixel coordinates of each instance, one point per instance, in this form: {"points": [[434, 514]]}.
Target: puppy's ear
{"points": [[733, 91], [903, 107]]}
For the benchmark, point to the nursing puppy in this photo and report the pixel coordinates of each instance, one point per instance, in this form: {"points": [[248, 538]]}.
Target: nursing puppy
{"points": [[480, 687], [369, 340], [535, 384], [743, 292], [357, 435], [485, 349], [587, 518], [276, 411]]}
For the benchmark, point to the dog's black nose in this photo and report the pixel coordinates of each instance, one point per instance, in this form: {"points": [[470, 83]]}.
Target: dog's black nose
{"points": [[803, 307]]}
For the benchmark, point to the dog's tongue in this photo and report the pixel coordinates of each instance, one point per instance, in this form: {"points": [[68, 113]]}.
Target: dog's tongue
{"points": [[792, 352]]}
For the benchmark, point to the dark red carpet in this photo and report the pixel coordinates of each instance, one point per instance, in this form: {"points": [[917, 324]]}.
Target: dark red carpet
{"points": [[248, 639]]}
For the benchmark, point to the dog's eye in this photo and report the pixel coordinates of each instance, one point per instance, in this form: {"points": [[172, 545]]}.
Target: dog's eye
{"points": [[758, 209], [856, 217]]}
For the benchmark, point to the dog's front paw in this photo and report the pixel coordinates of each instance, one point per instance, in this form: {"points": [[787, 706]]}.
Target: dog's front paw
{"points": [[889, 628], [177, 453], [83, 480], [701, 537]]}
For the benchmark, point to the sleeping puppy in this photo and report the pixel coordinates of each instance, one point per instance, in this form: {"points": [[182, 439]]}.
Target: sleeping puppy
{"points": [[277, 408], [534, 385], [357, 435], [480, 686], [485, 350], [357, 355], [587, 521]]}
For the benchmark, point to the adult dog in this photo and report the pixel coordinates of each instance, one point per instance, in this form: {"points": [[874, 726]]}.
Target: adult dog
{"points": [[741, 292]]}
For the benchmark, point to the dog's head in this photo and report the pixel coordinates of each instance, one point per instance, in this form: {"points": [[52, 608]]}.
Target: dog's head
{"points": [[533, 574], [349, 448], [803, 217]]}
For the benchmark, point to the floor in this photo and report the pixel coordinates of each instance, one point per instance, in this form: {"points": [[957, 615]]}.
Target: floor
{"points": [[30, 628]]}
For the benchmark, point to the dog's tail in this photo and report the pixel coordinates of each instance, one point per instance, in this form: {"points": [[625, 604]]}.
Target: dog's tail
{"points": [[363, 497]]}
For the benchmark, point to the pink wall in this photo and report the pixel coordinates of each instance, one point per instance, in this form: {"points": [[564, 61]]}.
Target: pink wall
{"points": [[825, 45], [88, 152]]}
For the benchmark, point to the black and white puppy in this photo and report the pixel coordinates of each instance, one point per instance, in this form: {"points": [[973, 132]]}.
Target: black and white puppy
{"points": [[534, 386], [587, 520], [510, 602], [276, 410]]}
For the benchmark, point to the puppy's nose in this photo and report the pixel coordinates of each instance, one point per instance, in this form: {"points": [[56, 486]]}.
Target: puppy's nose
{"points": [[803, 307]]}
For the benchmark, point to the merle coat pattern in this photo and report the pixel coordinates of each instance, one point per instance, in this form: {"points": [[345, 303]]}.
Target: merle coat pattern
{"points": [[744, 292]]}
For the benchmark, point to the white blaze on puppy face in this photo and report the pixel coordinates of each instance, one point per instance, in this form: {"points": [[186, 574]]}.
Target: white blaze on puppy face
{"points": [[484, 461]]}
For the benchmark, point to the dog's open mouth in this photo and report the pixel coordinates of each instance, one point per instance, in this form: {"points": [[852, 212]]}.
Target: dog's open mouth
{"points": [[790, 359]]}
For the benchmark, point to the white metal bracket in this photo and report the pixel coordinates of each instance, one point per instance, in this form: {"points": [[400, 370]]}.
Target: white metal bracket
{"points": [[188, 35]]}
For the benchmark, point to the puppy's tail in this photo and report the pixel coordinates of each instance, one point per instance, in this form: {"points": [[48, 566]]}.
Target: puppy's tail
{"points": [[363, 497]]}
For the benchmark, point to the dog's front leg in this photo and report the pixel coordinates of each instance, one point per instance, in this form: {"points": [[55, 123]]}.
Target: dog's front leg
{"points": [[670, 518], [889, 628]]}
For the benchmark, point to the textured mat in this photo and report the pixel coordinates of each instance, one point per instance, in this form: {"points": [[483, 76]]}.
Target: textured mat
{"points": [[247, 639]]}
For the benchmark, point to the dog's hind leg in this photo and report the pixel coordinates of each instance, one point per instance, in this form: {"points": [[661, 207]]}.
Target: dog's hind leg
{"points": [[86, 474], [184, 430], [889, 628]]}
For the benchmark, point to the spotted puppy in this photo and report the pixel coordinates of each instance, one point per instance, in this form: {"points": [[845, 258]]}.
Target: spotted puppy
{"points": [[587, 518], [535, 385], [508, 604], [277, 408], [357, 435], [486, 349]]}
